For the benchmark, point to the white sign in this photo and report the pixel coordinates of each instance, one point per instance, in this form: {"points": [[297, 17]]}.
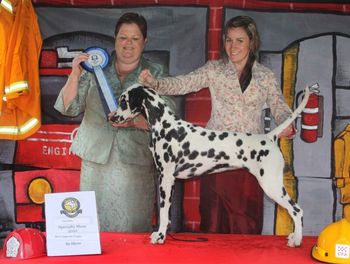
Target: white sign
{"points": [[71, 224]]}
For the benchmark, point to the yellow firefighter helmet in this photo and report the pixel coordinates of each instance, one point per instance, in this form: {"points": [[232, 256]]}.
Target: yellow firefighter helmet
{"points": [[333, 244]]}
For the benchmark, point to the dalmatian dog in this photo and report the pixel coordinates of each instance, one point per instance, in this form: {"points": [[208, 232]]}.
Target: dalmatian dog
{"points": [[182, 150]]}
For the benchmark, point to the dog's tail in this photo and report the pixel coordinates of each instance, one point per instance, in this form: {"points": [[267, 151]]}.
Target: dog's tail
{"points": [[275, 132]]}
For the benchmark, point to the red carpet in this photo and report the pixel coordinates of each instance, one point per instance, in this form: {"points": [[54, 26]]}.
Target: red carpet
{"points": [[135, 248]]}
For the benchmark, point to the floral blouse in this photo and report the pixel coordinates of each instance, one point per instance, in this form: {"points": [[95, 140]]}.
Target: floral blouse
{"points": [[232, 110]]}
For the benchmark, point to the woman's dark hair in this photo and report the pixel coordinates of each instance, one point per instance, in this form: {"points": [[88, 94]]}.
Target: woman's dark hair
{"points": [[248, 24], [132, 18]]}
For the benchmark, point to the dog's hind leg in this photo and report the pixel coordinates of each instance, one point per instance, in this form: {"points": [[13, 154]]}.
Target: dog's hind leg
{"points": [[279, 194], [166, 187]]}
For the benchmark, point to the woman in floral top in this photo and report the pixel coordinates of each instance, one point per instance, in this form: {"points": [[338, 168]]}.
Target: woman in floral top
{"points": [[239, 86]]}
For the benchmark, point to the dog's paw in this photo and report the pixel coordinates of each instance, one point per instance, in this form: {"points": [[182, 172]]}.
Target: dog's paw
{"points": [[294, 240], [157, 238]]}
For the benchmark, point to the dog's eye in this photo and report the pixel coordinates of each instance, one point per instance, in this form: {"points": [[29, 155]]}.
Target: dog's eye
{"points": [[123, 105]]}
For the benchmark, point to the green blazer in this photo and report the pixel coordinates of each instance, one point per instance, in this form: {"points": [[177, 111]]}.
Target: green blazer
{"points": [[96, 137]]}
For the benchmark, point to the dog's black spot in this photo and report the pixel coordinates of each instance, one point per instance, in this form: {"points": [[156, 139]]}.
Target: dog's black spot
{"points": [[217, 167], [203, 133], [211, 153], [165, 124], [212, 136], [239, 143], [223, 135], [262, 153], [171, 195], [193, 155], [161, 134], [204, 153], [181, 134], [284, 192], [224, 155], [291, 202], [158, 163], [240, 155], [166, 157], [187, 152], [171, 134], [248, 134], [165, 145], [263, 142], [160, 236], [160, 178], [262, 172], [252, 154], [161, 192], [170, 150], [183, 167], [186, 145], [185, 148], [178, 134], [221, 154], [174, 158], [296, 209]]}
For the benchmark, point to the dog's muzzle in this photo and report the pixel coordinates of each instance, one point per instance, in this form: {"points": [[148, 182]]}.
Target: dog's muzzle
{"points": [[117, 119]]}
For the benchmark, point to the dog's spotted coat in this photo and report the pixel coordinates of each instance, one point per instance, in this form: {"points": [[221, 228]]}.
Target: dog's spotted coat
{"points": [[183, 150]]}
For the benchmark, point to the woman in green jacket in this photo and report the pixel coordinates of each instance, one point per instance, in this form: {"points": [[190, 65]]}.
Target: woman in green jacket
{"points": [[116, 162]]}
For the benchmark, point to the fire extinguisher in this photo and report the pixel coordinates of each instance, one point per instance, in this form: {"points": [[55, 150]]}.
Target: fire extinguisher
{"points": [[312, 116]]}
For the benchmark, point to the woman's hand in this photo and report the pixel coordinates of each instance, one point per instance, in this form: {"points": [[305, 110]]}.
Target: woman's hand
{"points": [[76, 67], [70, 88], [147, 79], [289, 132], [138, 121]]}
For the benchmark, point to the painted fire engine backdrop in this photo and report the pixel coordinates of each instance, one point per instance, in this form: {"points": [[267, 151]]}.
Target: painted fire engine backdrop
{"points": [[303, 43]]}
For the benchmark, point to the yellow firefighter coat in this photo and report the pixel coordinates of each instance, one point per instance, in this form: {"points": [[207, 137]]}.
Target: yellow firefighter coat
{"points": [[20, 114]]}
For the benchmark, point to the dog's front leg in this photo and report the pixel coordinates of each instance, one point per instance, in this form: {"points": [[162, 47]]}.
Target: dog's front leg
{"points": [[165, 191]]}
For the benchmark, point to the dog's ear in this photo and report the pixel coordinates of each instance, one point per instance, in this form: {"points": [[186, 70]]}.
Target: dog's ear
{"points": [[136, 98]]}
